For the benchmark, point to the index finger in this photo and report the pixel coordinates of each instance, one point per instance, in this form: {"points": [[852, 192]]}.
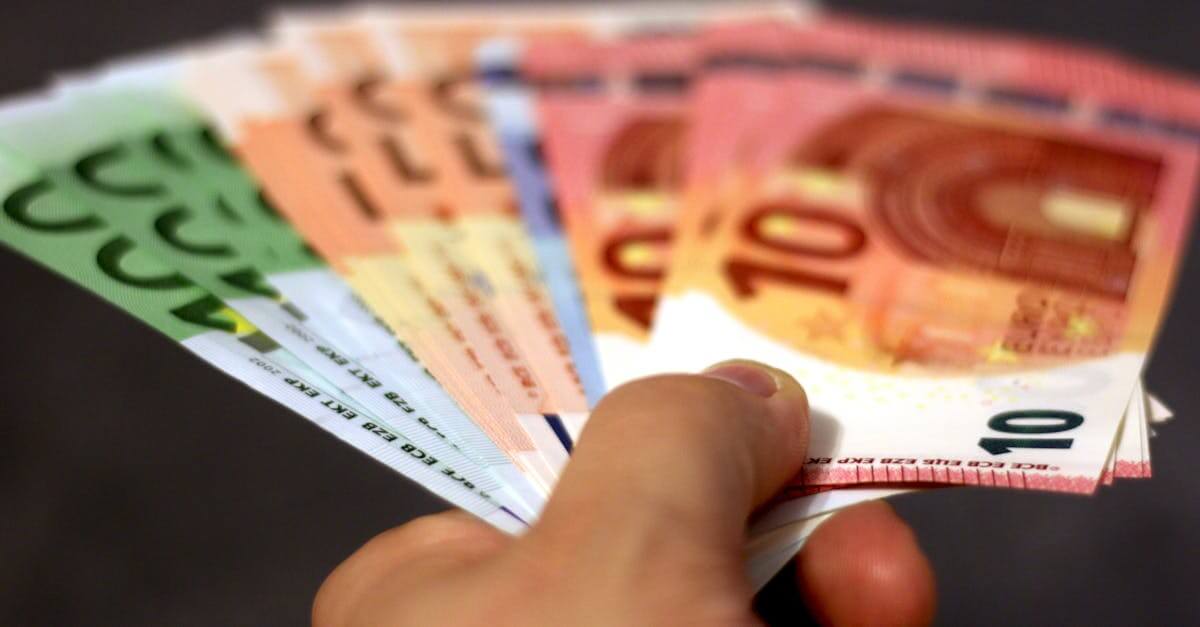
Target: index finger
{"points": [[862, 567]]}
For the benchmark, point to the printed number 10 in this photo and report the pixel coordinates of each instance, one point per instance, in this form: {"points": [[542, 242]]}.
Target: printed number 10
{"points": [[1017, 422]]}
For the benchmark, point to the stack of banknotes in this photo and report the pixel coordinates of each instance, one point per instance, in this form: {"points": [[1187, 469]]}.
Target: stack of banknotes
{"points": [[441, 234]]}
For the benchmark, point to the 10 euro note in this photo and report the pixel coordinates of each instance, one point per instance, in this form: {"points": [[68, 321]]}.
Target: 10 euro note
{"points": [[968, 294], [1073, 85], [732, 138]]}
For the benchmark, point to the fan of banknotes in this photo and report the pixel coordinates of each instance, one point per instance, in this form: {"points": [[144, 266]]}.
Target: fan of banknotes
{"points": [[441, 234]]}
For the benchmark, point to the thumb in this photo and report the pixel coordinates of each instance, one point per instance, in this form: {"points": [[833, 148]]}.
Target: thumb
{"points": [[676, 463]]}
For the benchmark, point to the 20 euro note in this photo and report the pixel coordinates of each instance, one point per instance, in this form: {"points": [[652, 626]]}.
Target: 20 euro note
{"points": [[612, 117], [444, 46], [955, 317], [431, 62], [95, 149], [321, 307], [512, 112], [59, 233], [265, 103], [757, 544]]}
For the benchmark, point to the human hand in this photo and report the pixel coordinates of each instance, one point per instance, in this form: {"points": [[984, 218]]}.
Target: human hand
{"points": [[646, 527]]}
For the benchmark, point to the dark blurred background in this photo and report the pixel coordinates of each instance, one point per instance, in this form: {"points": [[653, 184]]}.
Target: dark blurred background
{"points": [[140, 487]]}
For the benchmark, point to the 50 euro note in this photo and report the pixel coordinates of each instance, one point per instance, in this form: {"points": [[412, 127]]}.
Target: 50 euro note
{"points": [[968, 294], [62, 235], [302, 144], [234, 220], [465, 216]]}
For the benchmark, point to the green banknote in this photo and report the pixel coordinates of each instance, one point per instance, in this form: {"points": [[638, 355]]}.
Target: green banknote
{"points": [[173, 146], [55, 229], [123, 181]]}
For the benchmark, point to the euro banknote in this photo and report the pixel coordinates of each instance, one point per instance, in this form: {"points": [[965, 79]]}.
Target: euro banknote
{"points": [[442, 233], [512, 112], [60, 233], [614, 132], [467, 221], [272, 108], [804, 267], [427, 61], [229, 206]]}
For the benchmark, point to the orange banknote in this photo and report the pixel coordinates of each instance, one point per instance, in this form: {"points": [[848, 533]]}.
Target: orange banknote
{"points": [[303, 140], [467, 216], [431, 61]]}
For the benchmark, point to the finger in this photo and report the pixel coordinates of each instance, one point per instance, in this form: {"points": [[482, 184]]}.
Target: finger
{"points": [[863, 567], [681, 458], [437, 543]]}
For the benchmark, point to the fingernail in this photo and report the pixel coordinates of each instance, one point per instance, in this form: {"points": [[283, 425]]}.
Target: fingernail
{"points": [[749, 375]]}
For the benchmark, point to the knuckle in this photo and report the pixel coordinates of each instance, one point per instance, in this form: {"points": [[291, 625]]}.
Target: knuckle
{"points": [[449, 539], [322, 608], [438, 530]]}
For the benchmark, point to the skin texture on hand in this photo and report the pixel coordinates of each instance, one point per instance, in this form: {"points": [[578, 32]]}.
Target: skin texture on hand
{"points": [[645, 528]]}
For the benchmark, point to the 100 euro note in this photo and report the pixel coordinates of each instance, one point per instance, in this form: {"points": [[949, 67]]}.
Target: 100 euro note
{"points": [[188, 145], [239, 223], [57, 232], [119, 166], [864, 266], [128, 183], [264, 103]]}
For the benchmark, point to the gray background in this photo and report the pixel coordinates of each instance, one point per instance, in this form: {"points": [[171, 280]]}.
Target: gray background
{"points": [[138, 486]]}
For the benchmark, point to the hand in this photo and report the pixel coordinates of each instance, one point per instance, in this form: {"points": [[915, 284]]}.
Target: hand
{"points": [[645, 528]]}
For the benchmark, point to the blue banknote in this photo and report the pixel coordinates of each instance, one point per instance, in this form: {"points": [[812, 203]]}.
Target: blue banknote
{"points": [[512, 110]]}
